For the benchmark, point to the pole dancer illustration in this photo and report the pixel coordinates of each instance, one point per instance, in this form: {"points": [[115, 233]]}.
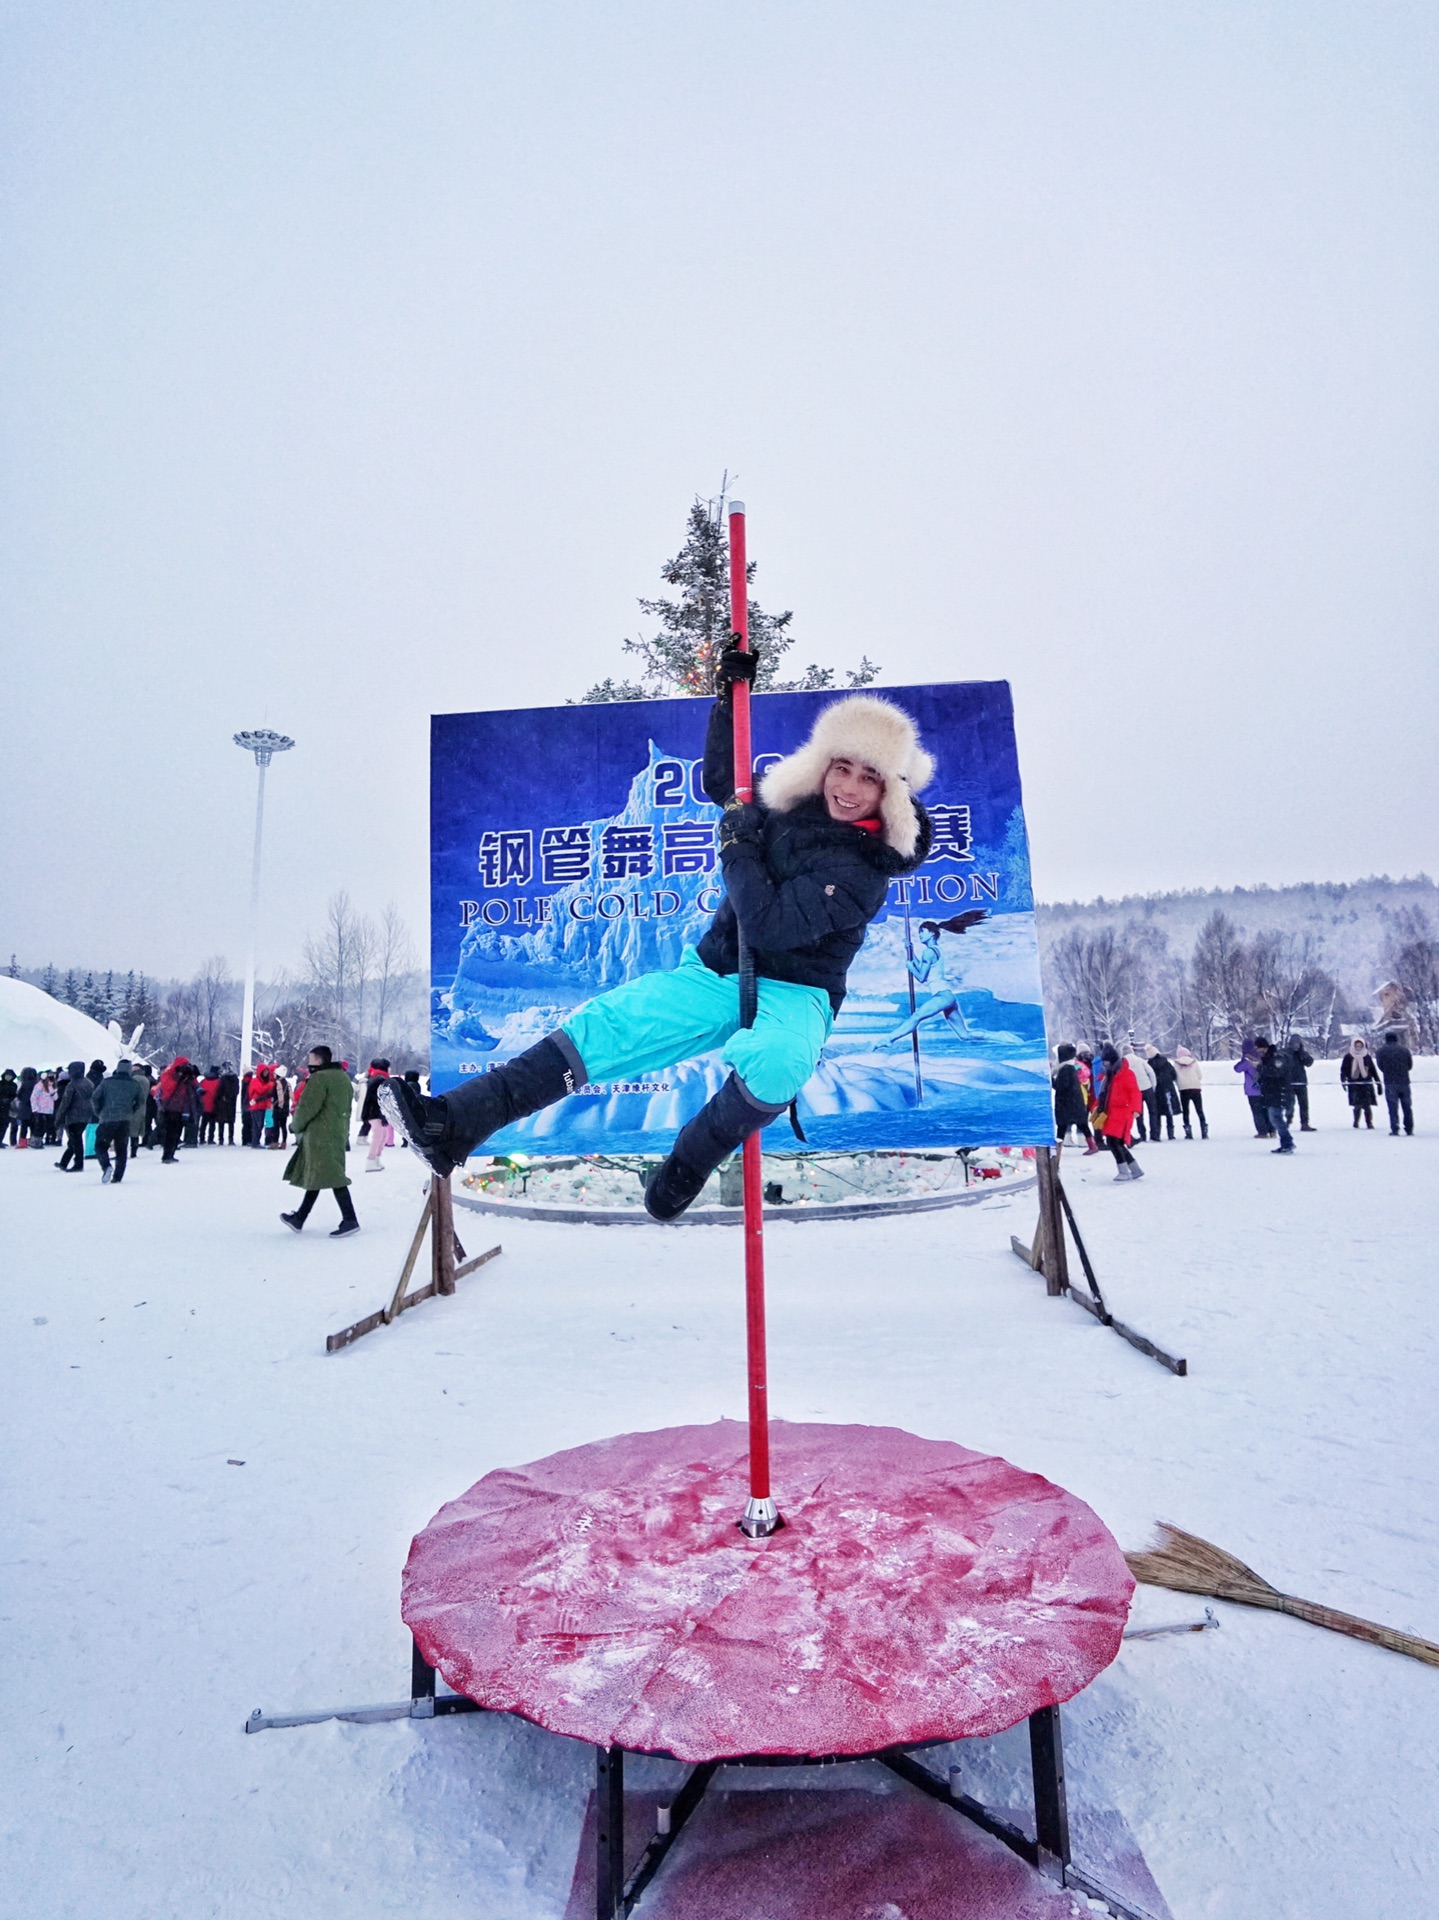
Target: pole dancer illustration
{"points": [[922, 967]]}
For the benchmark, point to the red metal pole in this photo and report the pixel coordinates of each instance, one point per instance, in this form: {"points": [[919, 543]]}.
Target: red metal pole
{"points": [[761, 1516]]}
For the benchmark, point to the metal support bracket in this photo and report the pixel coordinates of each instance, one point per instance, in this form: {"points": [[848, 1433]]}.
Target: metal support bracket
{"points": [[1049, 1850], [616, 1896], [1051, 1806], [424, 1703]]}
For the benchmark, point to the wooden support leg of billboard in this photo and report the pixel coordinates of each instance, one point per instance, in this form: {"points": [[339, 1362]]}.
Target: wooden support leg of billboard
{"points": [[1054, 1260], [447, 1265], [444, 1248], [1047, 1253]]}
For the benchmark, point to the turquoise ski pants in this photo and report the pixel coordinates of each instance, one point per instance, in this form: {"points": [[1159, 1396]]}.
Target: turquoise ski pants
{"points": [[661, 1019]]}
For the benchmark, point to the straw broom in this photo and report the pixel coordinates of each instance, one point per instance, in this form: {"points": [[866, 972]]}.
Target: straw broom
{"points": [[1187, 1564]]}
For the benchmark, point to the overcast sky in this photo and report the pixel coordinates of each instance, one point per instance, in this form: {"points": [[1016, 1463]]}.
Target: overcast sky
{"points": [[361, 360]]}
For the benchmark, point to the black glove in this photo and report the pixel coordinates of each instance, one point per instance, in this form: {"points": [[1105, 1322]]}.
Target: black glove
{"points": [[740, 825], [734, 664]]}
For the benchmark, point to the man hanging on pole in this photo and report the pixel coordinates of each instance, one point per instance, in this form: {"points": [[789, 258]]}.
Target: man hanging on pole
{"points": [[807, 867]]}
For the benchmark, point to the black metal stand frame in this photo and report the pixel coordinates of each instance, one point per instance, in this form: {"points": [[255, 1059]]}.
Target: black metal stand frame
{"points": [[617, 1894]]}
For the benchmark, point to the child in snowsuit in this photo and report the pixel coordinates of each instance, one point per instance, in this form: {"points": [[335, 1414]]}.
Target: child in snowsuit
{"points": [[806, 868]]}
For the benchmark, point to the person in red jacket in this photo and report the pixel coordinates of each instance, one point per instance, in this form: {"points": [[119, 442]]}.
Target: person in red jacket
{"points": [[209, 1093], [1117, 1105], [261, 1102], [178, 1099]]}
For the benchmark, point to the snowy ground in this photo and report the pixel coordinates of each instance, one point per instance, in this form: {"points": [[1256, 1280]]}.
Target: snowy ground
{"points": [[154, 1592]]}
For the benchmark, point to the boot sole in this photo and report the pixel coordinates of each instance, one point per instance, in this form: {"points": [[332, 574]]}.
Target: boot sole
{"points": [[435, 1158]]}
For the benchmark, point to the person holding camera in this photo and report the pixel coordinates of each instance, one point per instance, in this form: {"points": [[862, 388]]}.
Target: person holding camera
{"points": [[179, 1098]]}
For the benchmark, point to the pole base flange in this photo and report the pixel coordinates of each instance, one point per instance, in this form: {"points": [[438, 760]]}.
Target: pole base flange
{"points": [[760, 1519]]}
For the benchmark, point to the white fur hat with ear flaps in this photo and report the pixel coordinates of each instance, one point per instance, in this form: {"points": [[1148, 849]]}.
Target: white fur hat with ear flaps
{"points": [[860, 727]]}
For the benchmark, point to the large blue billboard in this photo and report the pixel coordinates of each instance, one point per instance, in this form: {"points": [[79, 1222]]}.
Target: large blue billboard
{"points": [[573, 847]]}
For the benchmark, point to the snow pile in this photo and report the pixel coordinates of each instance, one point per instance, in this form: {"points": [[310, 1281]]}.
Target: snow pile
{"points": [[36, 1030]]}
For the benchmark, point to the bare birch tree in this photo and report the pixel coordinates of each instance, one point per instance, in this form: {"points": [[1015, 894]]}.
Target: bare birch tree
{"points": [[394, 958]]}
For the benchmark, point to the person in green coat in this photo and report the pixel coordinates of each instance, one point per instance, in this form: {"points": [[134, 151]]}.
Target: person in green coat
{"points": [[321, 1126]]}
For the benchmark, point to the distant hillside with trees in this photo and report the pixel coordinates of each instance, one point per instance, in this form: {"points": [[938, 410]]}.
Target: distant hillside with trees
{"points": [[1205, 968], [1198, 969]]}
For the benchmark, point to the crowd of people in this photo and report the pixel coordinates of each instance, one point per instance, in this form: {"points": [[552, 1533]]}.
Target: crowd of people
{"points": [[1110, 1097], [108, 1116], [1113, 1097], [178, 1107]]}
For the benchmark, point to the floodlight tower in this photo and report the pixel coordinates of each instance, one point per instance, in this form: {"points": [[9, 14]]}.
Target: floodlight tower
{"points": [[264, 745]]}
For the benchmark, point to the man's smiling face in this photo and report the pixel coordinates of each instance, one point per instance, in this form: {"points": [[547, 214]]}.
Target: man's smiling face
{"points": [[852, 791]]}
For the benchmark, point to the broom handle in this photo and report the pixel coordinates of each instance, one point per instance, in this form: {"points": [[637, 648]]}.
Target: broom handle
{"points": [[1358, 1629], [1322, 1616]]}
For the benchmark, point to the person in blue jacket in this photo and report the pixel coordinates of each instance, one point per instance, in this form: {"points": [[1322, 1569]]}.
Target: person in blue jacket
{"points": [[807, 866]]}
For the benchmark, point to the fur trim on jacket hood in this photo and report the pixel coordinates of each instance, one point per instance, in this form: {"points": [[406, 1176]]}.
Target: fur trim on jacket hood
{"points": [[860, 727]]}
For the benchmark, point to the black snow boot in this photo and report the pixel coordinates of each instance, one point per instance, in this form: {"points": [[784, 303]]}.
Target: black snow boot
{"points": [[725, 1123], [348, 1222], [446, 1128]]}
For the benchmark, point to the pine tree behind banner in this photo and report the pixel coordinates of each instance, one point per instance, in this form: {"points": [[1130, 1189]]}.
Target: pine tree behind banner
{"points": [[694, 628]]}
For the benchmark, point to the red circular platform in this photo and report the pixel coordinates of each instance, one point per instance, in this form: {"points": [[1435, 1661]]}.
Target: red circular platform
{"points": [[917, 1591]]}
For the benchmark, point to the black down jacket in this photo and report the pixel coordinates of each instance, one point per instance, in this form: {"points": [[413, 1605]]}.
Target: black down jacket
{"points": [[1273, 1076], [119, 1096], [1396, 1063], [1069, 1104], [75, 1107], [803, 886], [1166, 1082]]}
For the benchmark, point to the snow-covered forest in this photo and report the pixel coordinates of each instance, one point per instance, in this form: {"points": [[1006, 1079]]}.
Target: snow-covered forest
{"points": [[1204, 969]]}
